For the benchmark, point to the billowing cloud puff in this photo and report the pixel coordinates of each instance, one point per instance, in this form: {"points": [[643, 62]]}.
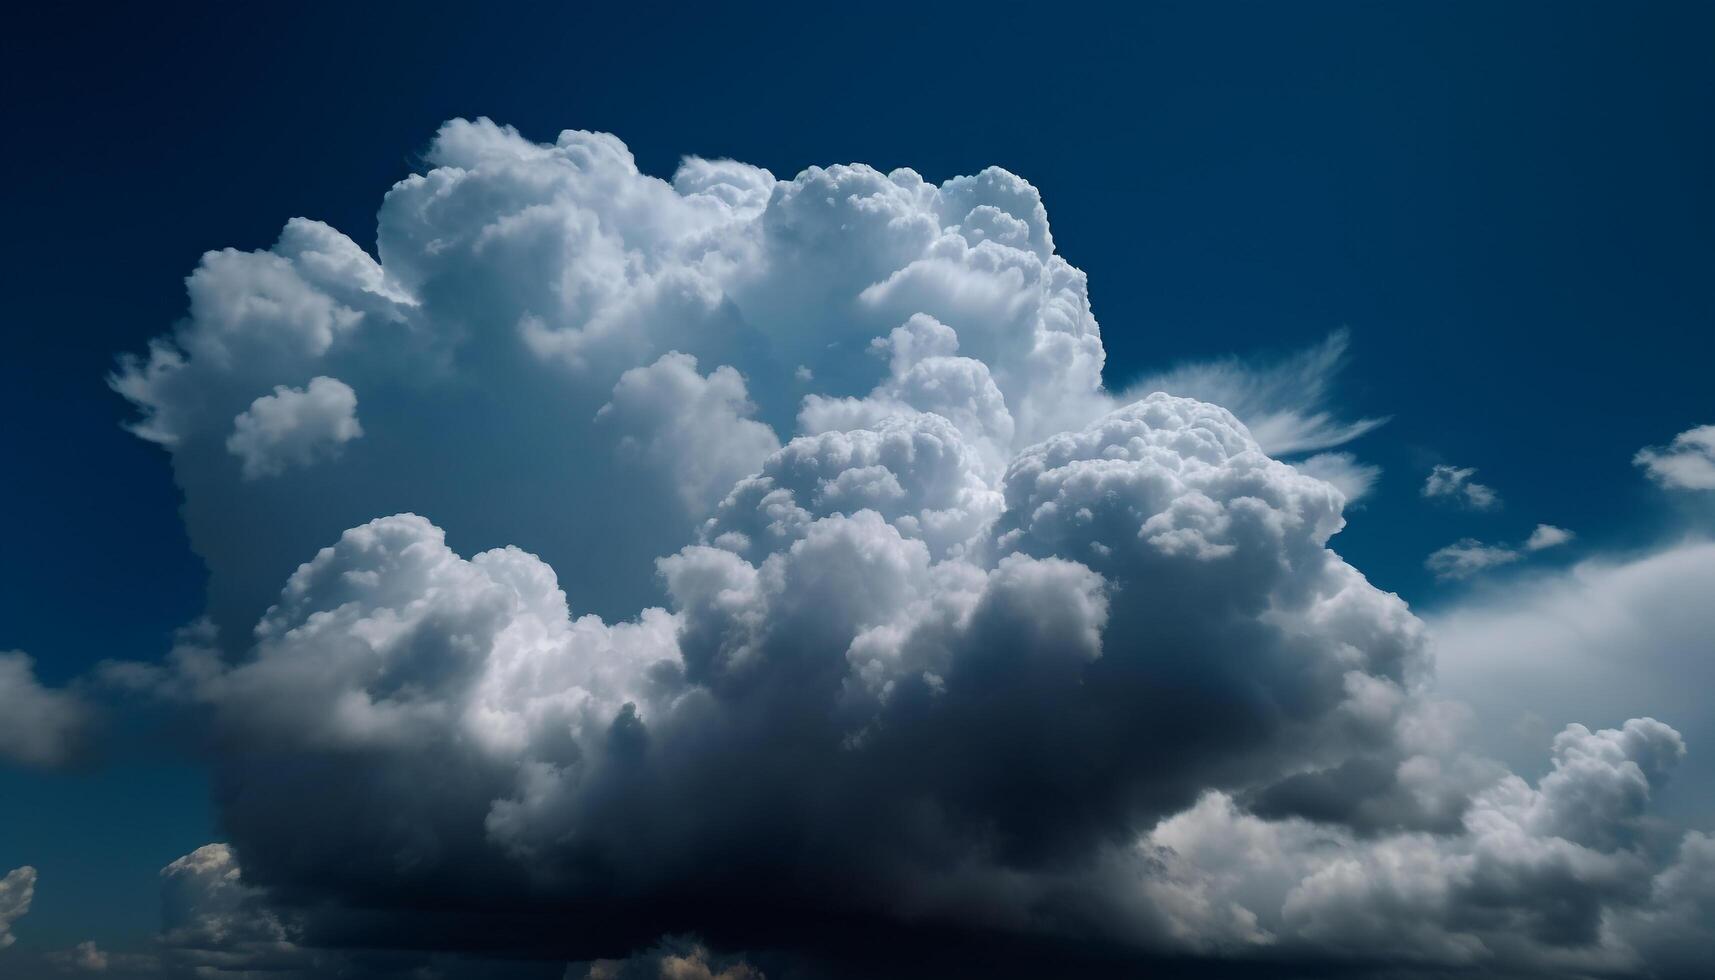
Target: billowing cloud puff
{"points": [[785, 576], [17, 890], [694, 430], [39, 726], [852, 685], [515, 287], [294, 427], [1559, 876], [1687, 463], [913, 470]]}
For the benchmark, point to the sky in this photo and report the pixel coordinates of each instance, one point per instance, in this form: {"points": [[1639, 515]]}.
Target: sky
{"points": [[1452, 263]]}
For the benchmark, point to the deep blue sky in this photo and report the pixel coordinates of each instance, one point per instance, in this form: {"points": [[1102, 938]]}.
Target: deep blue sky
{"points": [[1511, 206]]}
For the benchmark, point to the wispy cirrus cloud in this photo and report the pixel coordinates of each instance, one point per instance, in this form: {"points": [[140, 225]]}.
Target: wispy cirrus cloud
{"points": [[1286, 404]]}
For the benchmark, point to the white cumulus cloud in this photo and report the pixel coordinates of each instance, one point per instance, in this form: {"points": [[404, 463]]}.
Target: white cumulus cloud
{"points": [[1687, 463], [294, 427]]}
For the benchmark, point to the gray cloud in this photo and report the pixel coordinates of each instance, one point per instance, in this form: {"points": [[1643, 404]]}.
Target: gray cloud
{"points": [[39, 726], [1557, 877]]}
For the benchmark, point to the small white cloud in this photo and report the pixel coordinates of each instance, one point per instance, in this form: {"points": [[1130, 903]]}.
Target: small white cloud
{"points": [[1454, 483], [294, 427], [1547, 536], [17, 889], [1466, 558], [1469, 556], [1687, 463]]}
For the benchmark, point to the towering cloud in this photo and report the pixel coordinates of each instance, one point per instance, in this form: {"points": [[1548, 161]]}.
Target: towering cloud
{"points": [[764, 560]]}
